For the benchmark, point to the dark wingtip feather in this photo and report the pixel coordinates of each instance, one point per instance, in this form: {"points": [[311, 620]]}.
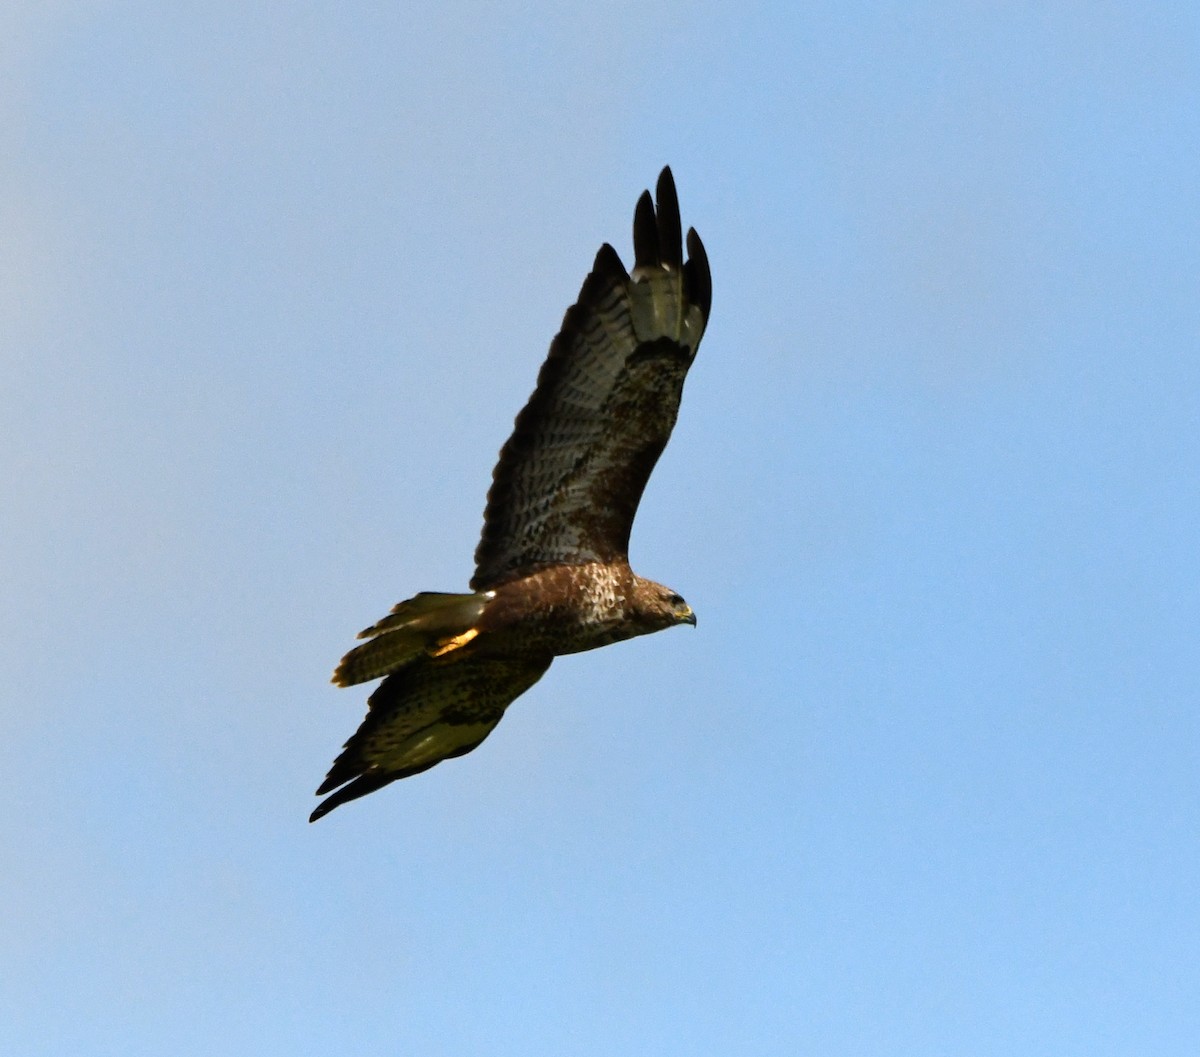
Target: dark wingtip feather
{"points": [[607, 272], [645, 234], [322, 810], [361, 786], [670, 234], [697, 274], [339, 774], [608, 265]]}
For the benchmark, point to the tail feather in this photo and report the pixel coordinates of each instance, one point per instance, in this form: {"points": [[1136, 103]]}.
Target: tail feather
{"points": [[415, 628]]}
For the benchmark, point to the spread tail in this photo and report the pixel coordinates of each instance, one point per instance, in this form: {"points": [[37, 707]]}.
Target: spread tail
{"points": [[426, 625]]}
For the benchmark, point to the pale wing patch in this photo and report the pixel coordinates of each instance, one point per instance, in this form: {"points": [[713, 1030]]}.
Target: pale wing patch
{"points": [[446, 645]]}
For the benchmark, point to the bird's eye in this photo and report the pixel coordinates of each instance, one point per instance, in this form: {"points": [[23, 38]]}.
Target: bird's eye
{"points": [[676, 600]]}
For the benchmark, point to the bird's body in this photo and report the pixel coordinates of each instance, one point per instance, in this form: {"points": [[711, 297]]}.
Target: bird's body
{"points": [[552, 572]]}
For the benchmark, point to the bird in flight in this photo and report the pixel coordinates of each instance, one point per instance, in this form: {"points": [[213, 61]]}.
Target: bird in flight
{"points": [[552, 571]]}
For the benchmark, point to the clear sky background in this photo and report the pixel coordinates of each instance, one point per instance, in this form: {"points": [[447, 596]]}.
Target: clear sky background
{"points": [[275, 279]]}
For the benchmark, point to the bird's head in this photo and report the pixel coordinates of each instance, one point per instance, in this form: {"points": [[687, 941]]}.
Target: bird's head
{"points": [[659, 607]]}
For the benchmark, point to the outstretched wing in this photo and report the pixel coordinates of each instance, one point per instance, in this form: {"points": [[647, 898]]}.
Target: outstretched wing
{"points": [[570, 477], [427, 712]]}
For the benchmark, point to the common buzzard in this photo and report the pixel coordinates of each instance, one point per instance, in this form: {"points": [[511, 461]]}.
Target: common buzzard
{"points": [[552, 569]]}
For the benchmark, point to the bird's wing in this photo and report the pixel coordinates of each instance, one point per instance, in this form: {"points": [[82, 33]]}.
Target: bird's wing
{"points": [[570, 477], [429, 711]]}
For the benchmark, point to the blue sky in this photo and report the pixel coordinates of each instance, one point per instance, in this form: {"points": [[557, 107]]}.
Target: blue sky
{"points": [[274, 281]]}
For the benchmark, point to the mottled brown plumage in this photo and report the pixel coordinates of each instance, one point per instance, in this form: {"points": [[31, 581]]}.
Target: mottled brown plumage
{"points": [[552, 571]]}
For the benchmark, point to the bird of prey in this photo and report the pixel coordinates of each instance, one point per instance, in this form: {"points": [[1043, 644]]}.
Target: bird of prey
{"points": [[552, 571]]}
